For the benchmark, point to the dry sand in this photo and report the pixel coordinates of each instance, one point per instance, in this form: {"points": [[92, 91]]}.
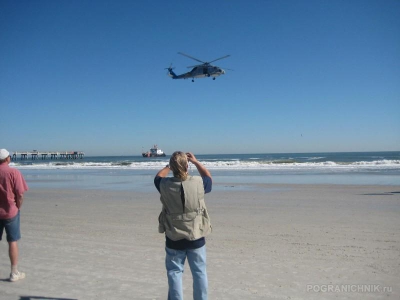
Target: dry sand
{"points": [[269, 242]]}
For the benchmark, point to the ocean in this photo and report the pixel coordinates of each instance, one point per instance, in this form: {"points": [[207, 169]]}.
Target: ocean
{"points": [[137, 173]]}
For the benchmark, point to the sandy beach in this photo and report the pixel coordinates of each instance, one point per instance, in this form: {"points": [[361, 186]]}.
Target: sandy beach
{"points": [[268, 242]]}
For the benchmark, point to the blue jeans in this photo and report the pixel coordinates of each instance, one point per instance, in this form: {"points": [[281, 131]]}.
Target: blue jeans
{"points": [[175, 261]]}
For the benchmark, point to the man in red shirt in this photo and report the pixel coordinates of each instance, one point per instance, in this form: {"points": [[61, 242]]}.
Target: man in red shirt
{"points": [[12, 188]]}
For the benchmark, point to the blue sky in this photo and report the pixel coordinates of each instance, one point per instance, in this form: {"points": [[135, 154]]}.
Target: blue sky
{"points": [[308, 76]]}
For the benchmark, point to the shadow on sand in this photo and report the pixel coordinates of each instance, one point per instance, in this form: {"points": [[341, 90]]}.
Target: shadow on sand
{"points": [[382, 194], [42, 298]]}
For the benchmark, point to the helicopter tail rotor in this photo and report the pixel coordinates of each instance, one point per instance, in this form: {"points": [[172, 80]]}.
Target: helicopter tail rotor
{"points": [[170, 73], [170, 67]]}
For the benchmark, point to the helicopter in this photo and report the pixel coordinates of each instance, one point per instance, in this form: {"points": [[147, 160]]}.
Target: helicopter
{"points": [[199, 71]]}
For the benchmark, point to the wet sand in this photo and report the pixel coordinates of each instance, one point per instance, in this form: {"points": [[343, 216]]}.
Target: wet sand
{"points": [[268, 242]]}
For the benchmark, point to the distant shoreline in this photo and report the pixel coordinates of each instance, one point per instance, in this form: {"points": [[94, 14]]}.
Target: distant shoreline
{"points": [[253, 153]]}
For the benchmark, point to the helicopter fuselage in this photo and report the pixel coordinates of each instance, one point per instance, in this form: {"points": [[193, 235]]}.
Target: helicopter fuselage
{"points": [[198, 72]]}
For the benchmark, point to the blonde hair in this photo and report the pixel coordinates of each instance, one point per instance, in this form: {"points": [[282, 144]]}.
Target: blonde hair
{"points": [[178, 163]]}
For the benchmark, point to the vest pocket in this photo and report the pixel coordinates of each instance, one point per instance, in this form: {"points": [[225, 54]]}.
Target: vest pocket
{"points": [[202, 226], [180, 226], [161, 222], [190, 226]]}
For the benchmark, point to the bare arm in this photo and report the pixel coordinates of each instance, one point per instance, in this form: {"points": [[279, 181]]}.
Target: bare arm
{"points": [[19, 199], [202, 169]]}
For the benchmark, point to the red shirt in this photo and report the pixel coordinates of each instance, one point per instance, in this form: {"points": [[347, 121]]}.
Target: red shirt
{"points": [[12, 183]]}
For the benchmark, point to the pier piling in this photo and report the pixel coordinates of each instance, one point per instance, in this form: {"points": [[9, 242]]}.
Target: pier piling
{"points": [[45, 154]]}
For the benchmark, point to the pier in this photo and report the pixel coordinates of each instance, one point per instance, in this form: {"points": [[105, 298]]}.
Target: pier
{"points": [[47, 154]]}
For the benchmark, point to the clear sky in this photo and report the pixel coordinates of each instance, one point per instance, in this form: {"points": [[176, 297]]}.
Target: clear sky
{"points": [[308, 76]]}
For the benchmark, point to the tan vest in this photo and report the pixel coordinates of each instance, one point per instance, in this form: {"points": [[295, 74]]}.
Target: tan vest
{"points": [[188, 220]]}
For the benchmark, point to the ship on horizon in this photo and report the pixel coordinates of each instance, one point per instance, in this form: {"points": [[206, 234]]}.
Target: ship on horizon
{"points": [[154, 152]]}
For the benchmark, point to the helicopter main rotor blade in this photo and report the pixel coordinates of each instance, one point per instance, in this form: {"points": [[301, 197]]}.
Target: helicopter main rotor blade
{"points": [[191, 57], [219, 58]]}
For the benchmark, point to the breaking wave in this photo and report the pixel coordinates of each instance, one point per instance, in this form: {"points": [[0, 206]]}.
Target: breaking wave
{"points": [[251, 164]]}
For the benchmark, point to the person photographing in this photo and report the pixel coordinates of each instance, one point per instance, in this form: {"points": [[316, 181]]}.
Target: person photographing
{"points": [[185, 221]]}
